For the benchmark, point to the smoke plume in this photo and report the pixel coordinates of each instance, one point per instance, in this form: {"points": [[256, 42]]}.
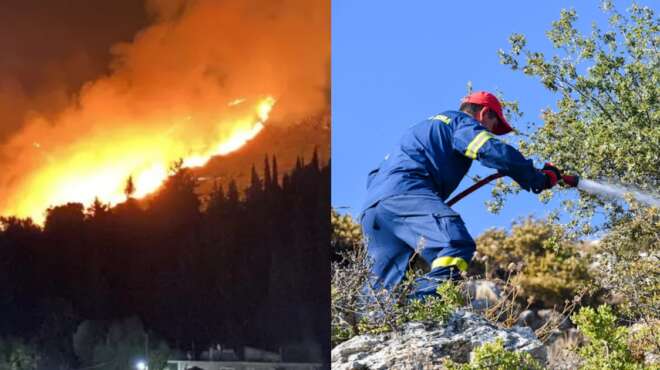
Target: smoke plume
{"points": [[173, 83]]}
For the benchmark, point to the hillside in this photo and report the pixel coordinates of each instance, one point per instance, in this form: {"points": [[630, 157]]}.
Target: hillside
{"points": [[287, 143]]}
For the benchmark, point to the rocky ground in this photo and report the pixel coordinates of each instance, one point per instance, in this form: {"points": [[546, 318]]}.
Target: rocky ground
{"points": [[426, 345]]}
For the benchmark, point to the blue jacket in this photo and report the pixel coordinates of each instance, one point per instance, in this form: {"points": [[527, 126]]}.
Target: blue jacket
{"points": [[434, 155]]}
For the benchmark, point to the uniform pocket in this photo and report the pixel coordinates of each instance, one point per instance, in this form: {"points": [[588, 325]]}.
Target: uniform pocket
{"points": [[454, 229]]}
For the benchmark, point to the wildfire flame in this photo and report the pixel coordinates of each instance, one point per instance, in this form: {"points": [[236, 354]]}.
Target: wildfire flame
{"points": [[100, 169]]}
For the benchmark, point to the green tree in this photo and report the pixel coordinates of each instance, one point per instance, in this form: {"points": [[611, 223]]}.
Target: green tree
{"points": [[605, 125], [606, 121]]}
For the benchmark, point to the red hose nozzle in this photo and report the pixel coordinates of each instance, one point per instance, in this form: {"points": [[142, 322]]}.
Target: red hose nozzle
{"points": [[570, 180]]}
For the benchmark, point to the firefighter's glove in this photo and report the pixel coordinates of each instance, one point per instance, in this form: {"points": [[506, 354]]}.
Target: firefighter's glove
{"points": [[552, 175]]}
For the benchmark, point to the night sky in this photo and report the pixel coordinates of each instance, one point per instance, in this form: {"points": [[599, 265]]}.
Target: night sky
{"points": [[50, 48]]}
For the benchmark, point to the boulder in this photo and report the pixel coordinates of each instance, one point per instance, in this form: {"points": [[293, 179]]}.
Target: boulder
{"points": [[483, 293], [561, 350], [421, 345], [529, 318], [564, 323]]}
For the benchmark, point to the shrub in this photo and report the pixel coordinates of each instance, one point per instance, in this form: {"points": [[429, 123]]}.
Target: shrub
{"points": [[548, 267], [628, 262], [15, 354], [349, 271], [643, 340], [494, 356], [346, 234], [607, 346], [438, 308], [358, 307]]}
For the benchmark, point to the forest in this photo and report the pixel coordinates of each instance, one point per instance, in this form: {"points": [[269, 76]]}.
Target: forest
{"points": [[181, 270]]}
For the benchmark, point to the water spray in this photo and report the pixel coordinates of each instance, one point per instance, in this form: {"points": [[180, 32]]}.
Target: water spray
{"points": [[602, 189], [607, 190]]}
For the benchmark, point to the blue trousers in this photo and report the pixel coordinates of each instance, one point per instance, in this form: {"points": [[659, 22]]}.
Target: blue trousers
{"points": [[397, 227]]}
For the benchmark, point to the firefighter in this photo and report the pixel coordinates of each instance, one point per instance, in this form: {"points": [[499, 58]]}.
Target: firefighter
{"points": [[405, 210]]}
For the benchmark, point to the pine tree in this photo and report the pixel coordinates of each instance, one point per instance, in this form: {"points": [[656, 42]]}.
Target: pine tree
{"points": [[129, 189], [254, 191], [275, 174], [220, 193], [97, 209], [255, 181], [315, 160], [267, 179], [232, 193], [218, 199]]}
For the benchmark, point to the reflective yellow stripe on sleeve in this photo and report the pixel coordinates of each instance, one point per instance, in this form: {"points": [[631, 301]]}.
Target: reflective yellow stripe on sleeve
{"points": [[477, 143], [441, 117], [450, 261]]}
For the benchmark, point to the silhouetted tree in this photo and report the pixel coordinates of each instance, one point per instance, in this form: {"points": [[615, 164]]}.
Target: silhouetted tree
{"points": [[97, 210], [129, 189], [64, 219], [255, 189], [217, 200], [314, 164], [275, 174], [267, 178], [188, 274], [232, 193]]}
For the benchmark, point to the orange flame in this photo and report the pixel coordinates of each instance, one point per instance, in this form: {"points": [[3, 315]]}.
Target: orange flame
{"points": [[99, 169]]}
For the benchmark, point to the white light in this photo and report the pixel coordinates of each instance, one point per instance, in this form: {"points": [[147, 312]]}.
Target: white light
{"points": [[141, 365]]}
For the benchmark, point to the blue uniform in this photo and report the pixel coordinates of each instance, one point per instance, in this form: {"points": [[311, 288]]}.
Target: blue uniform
{"points": [[405, 211]]}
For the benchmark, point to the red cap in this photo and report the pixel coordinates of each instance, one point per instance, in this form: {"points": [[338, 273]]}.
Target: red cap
{"points": [[489, 100]]}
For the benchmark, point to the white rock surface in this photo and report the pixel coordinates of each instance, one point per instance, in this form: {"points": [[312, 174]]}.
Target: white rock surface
{"points": [[425, 345], [483, 293], [530, 318]]}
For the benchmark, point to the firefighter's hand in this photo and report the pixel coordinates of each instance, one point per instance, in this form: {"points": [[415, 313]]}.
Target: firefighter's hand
{"points": [[552, 175]]}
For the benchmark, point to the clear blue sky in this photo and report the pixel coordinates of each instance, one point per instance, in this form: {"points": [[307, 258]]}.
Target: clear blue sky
{"points": [[396, 62]]}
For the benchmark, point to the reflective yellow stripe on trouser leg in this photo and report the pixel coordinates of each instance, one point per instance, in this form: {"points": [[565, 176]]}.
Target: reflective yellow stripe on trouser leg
{"points": [[447, 261]]}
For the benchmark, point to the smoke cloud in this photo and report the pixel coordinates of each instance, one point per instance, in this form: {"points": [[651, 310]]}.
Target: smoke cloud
{"points": [[50, 48], [173, 77]]}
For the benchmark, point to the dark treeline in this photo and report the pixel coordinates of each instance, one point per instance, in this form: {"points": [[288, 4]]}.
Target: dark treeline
{"points": [[248, 269]]}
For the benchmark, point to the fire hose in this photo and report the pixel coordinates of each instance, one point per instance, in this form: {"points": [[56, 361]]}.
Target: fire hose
{"points": [[568, 180], [474, 187]]}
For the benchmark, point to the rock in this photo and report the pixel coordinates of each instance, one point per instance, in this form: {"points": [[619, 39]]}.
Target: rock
{"points": [[529, 318], [561, 353], [425, 346], [483, 293], [545, 314], [549, 314]]}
